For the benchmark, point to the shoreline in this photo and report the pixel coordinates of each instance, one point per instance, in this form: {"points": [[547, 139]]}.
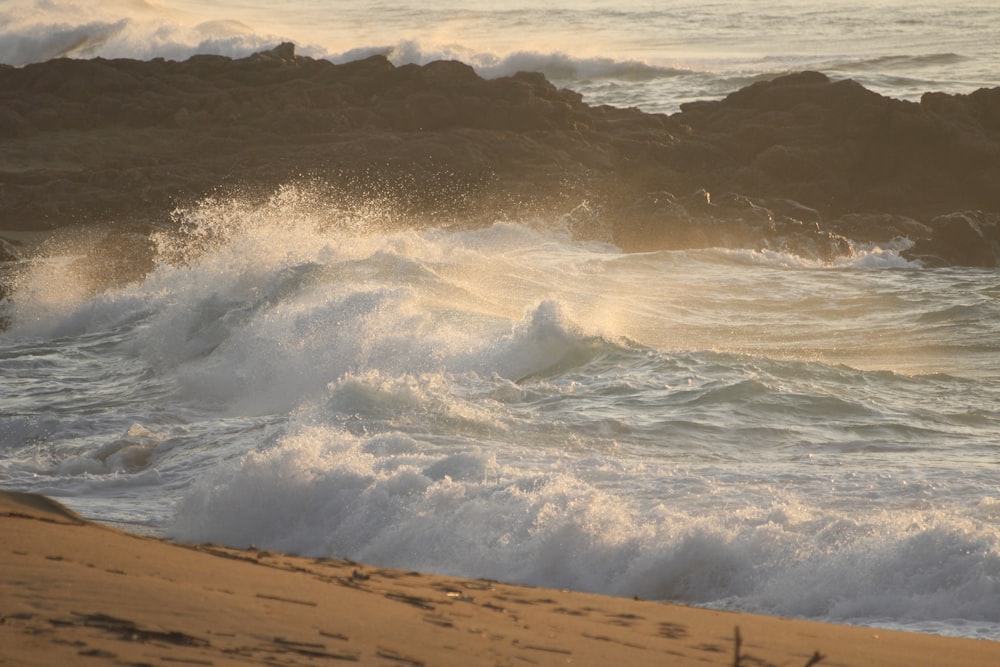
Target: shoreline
{"points": [[70, 587]]}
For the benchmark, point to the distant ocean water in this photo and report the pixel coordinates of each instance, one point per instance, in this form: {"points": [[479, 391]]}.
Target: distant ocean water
{"points": [[653, 55], [740, 430]]}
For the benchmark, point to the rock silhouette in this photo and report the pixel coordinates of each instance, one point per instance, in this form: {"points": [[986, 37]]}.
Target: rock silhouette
{"points": [[801, 162]]}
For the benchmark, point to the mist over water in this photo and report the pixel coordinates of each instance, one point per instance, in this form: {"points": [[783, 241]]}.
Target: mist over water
{"points": [[734, 429]]}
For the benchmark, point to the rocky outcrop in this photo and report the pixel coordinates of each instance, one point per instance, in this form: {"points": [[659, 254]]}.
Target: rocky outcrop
{"points": [[98, 139], [659, 219], [841, 148], [801, 162], [970, 238], [8, 251]]}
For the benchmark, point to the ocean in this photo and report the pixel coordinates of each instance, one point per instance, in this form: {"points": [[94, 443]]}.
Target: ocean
{"points": [[651, 54], [732, 429]]}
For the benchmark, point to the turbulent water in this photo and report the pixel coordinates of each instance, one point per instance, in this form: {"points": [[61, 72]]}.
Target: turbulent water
{"points": [[726, 428], [734, 429], [653, 54]]}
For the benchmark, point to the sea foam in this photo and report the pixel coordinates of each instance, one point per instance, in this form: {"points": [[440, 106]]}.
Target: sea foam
{"points": [[508, 402], [387, 499]]}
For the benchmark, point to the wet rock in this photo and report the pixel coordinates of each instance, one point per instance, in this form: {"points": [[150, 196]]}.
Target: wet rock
{"points": [[9, 251], [812, 160], [661, 221], [839, 148], [879, 227], [969, 238], [283, 54]]}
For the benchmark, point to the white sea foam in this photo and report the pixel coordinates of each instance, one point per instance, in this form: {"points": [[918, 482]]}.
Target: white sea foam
{"points": [[862, 256], [390, 500], [626, 54], [557, 66], [713, 427]]}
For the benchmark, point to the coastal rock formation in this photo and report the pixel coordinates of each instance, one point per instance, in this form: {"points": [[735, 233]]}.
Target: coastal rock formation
{"points": [[970, 238], [661, 220], [800, 163], [842, 148], [8, 251]]}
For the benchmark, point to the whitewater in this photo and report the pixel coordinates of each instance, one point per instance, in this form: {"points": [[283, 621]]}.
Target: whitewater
{"points": [[654, 55], [746, 430], [736, 429]]}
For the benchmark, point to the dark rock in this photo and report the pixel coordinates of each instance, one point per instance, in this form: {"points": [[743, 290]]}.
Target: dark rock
{"points": [[283, 54], [13, 124], [449, 73], [839, 148], [658, 219], [792, 209], [879, 227], [813, 160], [9, 251], [970, 238]]}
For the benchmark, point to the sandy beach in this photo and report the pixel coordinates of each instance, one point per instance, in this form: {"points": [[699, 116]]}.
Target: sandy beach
{"points": [[73, 592]]}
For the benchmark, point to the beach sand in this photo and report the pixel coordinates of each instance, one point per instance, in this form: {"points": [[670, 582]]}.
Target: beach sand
{"points": [[74, 592]]}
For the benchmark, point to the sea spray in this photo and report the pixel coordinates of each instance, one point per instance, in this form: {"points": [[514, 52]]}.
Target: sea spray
{"points": [[730, 429]]}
